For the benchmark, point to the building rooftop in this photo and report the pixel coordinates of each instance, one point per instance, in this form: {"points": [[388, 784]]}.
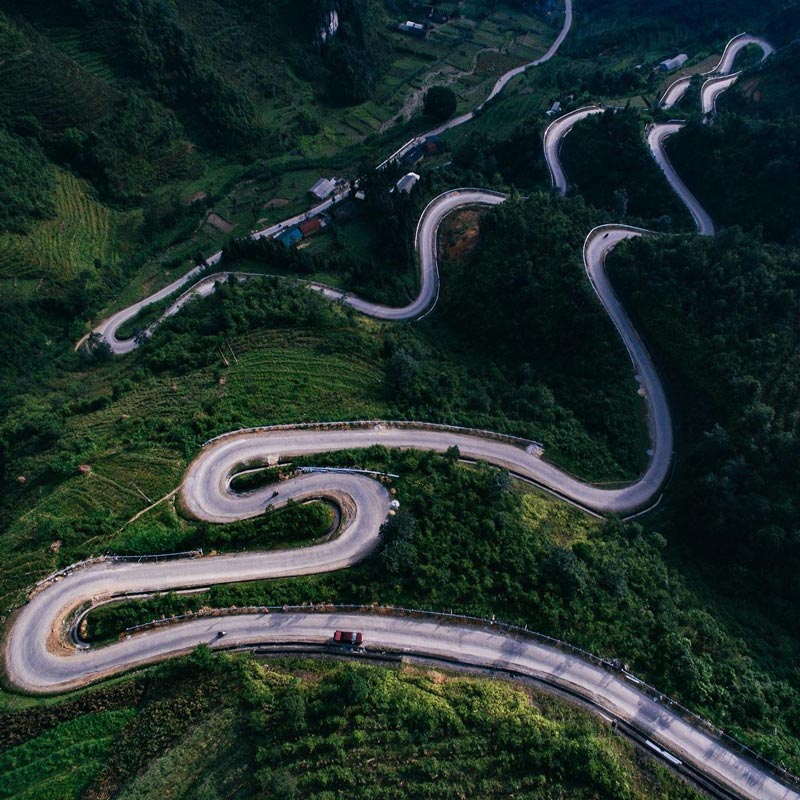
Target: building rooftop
{"points": [[323, 188], [407, 182]]}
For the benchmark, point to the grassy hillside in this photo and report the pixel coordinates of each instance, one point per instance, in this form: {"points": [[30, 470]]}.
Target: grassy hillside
{"points": [[80, 233], [294, 728]]}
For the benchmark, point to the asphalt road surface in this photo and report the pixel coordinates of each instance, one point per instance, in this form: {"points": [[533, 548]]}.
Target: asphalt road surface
{"points": [[724, 66], [39, 660], [553, 137], [47, 671], [656, 138]]}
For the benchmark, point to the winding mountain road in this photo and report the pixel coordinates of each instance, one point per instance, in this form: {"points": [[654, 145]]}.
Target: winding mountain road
{"points": [[109, 327], [40, 659], [656, 138], [714, 86]]}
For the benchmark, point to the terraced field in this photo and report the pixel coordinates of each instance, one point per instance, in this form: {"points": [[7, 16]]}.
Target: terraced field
{"points": [[63, 761], [68, 41], [83, 230], [38, 79]]}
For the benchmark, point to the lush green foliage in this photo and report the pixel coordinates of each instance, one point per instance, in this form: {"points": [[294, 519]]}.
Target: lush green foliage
{"points": [[517, 159], [626, 23], [126, 144], [509, 305], [440, 103], [121, 94], [389, 265], [609, 164], [26, 184], [350, 61], [62, 762], [296, 524], [745, 168], [225, 727], [464, 540], [438, 736], [723, 314]]}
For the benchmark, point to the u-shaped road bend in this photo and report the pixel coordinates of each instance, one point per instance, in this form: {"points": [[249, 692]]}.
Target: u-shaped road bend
{"points": [[677, 88], [38, 660], [39, 669]]}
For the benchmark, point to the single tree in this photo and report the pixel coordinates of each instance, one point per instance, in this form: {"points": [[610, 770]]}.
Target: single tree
{"points": [[439, 103]]}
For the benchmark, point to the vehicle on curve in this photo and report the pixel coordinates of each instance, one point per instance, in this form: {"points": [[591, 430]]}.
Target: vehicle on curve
{"points": [[353, 638]]}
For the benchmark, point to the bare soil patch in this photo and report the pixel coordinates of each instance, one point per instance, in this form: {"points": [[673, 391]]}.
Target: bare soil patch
{"points": [[220, 223], [460, 234]]}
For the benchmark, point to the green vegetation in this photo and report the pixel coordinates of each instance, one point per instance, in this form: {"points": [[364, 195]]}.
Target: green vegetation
{"points": [[26, 184], [64, 761], [745, 167], [227, 727], [466, 539], [80, 236], [539, 284], [722, 312], [125, 124], [385, 271], [440, 103], [164, 530], [261, 352], [611, 167]]}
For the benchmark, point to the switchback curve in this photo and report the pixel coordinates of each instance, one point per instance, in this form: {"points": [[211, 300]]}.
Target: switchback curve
{"points": [[36, 665]]}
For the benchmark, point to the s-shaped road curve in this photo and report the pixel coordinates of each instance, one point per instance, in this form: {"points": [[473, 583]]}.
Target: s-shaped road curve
{"points": [[720, 79], [109, 327], [37, 661], [712, 88]]}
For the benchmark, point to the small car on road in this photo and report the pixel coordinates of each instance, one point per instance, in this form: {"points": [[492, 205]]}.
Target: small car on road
{"points": [[353, 638]]}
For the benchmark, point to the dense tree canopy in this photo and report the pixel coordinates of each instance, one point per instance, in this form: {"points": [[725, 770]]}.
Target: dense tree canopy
{"points": [[745, 168], [26, 183], [609, 164], [724, 313], [440, 103]]}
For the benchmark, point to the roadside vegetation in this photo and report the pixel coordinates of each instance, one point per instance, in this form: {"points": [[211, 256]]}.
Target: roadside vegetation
{"points": [[124, 126], [722, 314], [469, 540], [611, 167], [219, 727], [745, 167], [99, 439]]}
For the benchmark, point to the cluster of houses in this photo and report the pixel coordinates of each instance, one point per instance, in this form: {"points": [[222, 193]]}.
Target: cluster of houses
{"points": [[327, 187], [432, 146], [303, 230]]}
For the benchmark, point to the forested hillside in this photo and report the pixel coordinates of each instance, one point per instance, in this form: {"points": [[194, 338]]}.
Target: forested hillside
{"points": [[723, 313], [611, 167], [745, 168], [137, 137], [224, 727]]}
